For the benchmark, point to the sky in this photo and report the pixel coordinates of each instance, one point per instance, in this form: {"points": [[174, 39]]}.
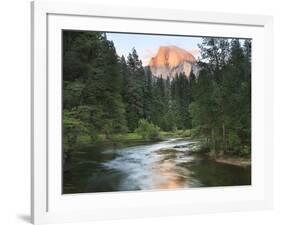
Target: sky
{"points": [[147, 45]]}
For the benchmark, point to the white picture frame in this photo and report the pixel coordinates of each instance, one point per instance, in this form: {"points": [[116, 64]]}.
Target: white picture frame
{"points": [[48, 205]]}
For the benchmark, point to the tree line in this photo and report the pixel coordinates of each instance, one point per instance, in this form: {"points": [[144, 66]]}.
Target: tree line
{"points": [[221, 110], [107, 94]]}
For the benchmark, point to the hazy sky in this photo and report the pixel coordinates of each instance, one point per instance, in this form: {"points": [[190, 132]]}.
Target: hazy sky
{"points": [[147, 45]]}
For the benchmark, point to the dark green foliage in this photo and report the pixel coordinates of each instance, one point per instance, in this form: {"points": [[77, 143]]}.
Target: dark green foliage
{"points": [[147, 130], [104, 94], [181, 98], [134, 97], [73, 126], [92, 82], [148, 95], [221, 111]]}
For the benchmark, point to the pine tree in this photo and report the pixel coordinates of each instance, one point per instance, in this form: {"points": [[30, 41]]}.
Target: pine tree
{"points": [[221, 108], [148, 95], [135, 85], [92, 81]]}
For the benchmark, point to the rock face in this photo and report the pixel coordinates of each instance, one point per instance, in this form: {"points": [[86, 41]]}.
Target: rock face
{"points": [[172, 60]]}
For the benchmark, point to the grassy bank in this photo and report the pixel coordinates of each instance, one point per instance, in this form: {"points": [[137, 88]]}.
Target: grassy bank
{"points": [[125, 138], [226, 158], [131, 137]]}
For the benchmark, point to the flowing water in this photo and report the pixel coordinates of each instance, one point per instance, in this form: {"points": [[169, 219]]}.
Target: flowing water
{"points": [[163, 165]]}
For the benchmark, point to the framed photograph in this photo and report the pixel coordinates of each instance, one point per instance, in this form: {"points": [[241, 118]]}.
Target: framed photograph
{"points": [[140, 112]]}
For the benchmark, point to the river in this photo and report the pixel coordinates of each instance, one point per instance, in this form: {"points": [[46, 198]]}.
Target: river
{"points": [[162, 165]]}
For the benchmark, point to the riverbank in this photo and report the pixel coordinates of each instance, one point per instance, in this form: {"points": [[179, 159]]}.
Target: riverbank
{"points": [[234, 160], [228, 159], [193, 148], [132, 137]]}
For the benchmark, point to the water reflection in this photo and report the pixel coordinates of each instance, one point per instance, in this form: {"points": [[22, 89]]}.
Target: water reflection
{"points": [[163, 165], [167, 175]]}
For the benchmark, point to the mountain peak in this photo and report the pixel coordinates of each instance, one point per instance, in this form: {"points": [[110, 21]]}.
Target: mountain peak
{"points": [[171, 56], [171, 60]]}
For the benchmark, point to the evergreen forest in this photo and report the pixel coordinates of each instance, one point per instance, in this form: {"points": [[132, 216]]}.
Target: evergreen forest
{"points": [[110, 99]]}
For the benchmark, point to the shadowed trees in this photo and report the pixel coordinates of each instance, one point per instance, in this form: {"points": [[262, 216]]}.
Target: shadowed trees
{"points": [[104, 94]]}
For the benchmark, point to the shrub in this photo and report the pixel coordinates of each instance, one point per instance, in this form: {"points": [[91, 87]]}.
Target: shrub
{"points": [[245, 151], [147, 130], [186, 133]]}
